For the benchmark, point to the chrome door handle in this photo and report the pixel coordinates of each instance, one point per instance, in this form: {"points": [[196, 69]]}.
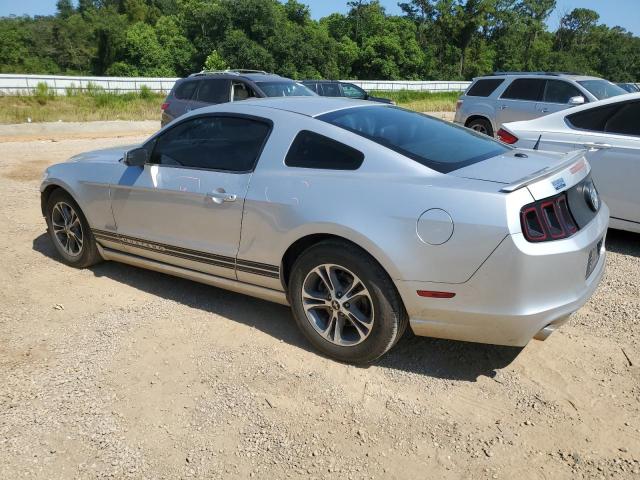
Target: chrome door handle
{"points": [[544, 110], [503, 107], [220, 196], [597, 146]]}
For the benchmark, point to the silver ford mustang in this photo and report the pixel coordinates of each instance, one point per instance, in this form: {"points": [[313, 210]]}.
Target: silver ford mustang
{"points": [[362, 217]]}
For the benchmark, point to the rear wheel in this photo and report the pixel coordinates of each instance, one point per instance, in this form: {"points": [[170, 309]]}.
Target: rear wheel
{"points": [[345, 303], [70, 232], [481, 125]]}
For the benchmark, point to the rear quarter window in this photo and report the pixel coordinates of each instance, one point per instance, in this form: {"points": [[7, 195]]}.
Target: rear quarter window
{"points": [[484, 88], [312, 150], [185, 90], [593, 119]]}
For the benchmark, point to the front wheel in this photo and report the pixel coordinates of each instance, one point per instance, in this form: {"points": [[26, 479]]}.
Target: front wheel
{"points": [[345, 303], [70, 232]]}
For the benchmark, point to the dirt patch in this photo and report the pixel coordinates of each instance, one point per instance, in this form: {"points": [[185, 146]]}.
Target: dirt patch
{"points": [[121, 372]]}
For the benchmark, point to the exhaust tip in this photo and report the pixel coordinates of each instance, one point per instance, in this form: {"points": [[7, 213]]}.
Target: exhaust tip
{"points": [[544, 333]]}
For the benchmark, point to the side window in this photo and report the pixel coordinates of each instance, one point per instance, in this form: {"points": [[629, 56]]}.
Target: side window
{"points": [[525, 89], [331, 90], [351, 91], [593, 119], [558, 91], [311, 150], [625, 121], [242, 91], [312, 86], [484, 88], [231, 144], [185, 90], [214, 91]]}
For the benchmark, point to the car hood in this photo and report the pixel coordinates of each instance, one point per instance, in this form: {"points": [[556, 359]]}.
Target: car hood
{"points": [[511, 167], [105, 155]]}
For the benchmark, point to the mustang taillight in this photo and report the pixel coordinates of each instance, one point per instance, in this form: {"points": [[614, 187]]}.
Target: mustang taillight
{"points": [[548, 219]]}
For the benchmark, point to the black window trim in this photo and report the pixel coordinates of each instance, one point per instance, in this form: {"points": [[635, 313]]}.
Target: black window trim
{"points": [[519, 99], [306, 130], [618, 107], [151, 143]]}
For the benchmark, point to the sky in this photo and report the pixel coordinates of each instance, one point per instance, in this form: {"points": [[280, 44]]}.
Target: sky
{"points": [[624, 13]]}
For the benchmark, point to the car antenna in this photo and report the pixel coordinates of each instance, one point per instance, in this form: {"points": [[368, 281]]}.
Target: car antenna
{"points": [[537, 145]]}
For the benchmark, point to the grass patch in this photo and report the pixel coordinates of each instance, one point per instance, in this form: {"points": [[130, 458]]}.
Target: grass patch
{"points": [[80, 106], [96, 104], [422, 101]]}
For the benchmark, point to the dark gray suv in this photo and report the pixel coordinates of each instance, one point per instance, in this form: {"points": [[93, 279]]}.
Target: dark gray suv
{"points": [[207, 88]]}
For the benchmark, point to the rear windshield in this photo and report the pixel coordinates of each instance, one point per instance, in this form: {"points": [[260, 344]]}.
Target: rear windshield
{"points": [[436, 144], [484, 88], [285, 89], [602, 89]]}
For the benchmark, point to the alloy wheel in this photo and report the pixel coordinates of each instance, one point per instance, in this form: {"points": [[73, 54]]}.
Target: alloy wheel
{"points": [[67, 228], [338, 305]]}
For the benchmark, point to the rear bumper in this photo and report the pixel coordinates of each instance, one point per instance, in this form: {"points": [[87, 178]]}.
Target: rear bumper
{"points": [[521, 289]]}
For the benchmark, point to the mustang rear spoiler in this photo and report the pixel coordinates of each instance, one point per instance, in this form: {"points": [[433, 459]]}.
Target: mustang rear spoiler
{"points": [[544, 173]]}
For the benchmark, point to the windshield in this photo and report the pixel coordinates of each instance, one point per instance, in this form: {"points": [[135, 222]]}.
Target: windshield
{"points": [[602, 89], [434, 143], [285, 89]]}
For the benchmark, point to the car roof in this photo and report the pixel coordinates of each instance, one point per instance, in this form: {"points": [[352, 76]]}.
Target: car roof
{"points": [[308, 106], [544, 75], [254, 77]]}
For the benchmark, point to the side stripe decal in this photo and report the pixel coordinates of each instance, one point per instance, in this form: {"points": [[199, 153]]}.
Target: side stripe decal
{"points": [[247, 266]]}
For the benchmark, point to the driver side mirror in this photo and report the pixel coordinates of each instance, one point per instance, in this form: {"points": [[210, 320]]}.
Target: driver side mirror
{"points": [[136, 157], [577, 100]]}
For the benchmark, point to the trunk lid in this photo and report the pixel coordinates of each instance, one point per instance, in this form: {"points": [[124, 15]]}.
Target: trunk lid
{"points": [[544, 173]]}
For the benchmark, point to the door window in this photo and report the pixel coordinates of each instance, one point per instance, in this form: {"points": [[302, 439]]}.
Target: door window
{"points": [[230, 144], [558, 91], [352, 91], [242, 91], [529, 89], [214, 91], [331, 90]]}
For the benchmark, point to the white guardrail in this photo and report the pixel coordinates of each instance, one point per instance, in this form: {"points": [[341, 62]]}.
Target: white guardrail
{"points": [[15, 84]]}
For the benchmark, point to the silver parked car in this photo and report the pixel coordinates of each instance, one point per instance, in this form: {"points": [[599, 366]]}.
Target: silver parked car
{"points": [[363, 217], [610, 132], [513, 96]]}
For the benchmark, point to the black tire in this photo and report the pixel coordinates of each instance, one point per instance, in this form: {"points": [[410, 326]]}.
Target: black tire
{"points": [[87, 254], [481, 125], [389, 318]]}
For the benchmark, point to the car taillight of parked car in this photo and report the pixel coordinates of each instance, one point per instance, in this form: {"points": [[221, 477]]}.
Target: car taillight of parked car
{"points": [[506, 137], [164, 106], [548, 219]]}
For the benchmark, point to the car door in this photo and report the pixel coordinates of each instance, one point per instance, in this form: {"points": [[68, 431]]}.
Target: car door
{"points": [[556, 96], [211, 91], [614, 155], [518, 101], [184, 207]]}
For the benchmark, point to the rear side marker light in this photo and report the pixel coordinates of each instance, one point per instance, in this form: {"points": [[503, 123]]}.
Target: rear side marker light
{"points": [[506, 137], [433, 294], [164, 106], [548, 219]]}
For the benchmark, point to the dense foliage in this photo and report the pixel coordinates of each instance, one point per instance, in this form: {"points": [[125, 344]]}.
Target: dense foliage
{"points": [[433, 39]]}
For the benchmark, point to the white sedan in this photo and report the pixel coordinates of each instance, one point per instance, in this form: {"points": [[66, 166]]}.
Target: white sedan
{"points": [[610, 131]]}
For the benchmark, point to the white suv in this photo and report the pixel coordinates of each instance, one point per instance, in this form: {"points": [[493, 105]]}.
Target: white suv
{"points": [[509, 97]]}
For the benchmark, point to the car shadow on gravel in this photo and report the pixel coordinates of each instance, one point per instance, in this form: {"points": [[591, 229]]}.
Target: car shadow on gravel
{"points": [[625, 243], [418, 355]]}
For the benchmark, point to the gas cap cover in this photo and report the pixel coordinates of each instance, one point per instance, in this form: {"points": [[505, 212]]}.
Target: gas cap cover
{"points": [[435, 227]]}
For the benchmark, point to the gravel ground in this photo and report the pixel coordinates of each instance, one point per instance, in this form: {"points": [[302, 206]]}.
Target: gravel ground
{"points": [[124, 373]]}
